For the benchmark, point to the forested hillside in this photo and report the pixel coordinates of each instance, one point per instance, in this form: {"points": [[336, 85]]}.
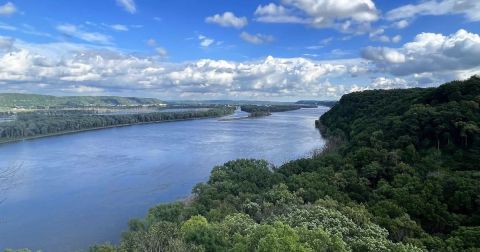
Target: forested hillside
{"points": [[11, 100], [400, 173]]}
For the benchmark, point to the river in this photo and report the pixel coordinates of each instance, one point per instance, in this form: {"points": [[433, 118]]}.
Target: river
{"points": [[67, 192]]}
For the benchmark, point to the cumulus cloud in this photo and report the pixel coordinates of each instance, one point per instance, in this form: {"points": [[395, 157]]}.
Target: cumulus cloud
{"points": [[272, 13], [227, 19], [383, 54], [256, 38], [469, 8], [128, 5], [388, 83], [90, 69], [343, 15], [77, 32], [429, 53], [7, 9]]}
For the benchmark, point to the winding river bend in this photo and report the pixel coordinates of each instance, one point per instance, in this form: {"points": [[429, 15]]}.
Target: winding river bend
{"points": [[66, 192]]}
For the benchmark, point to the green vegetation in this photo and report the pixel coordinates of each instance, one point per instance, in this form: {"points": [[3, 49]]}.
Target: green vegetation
{"points": [[14, 100], [399, 173], [266, 110], [318, 103], [259, 114], [52, 122]]}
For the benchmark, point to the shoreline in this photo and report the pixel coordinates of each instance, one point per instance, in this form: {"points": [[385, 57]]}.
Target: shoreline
{"points": [[8, 141]]}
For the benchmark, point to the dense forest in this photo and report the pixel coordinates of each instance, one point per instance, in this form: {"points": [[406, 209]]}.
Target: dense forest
{"points": [[42, 123], [400, 173], [265, 110], [12, 100]]}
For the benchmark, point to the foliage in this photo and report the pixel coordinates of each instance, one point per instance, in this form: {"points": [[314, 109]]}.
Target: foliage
{"points": [[12, 100], [402, 176], [268, 108], [38, 124]]}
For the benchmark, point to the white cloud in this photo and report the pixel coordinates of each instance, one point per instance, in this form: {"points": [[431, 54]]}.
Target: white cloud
{"points": [[84, 68], [119, 27], [48, 68], [256, 38], [401, 24], [205, 41], [469, 8], [344, 15], [396, 39], [128, 5], [82, 89], [77, 32], [227, 19], [7, 9], [388, 83], [272, 13], [383, 54], [379, 35], [430, 53]]}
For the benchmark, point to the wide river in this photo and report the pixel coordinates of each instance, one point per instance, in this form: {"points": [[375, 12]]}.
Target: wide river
{"points": [[67, 192]]}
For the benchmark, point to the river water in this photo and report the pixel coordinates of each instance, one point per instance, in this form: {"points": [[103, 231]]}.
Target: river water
{"points": [[67, 192]]}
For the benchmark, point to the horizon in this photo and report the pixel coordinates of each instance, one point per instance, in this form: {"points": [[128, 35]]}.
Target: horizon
{"points": [[168, 99], [278, 50]]}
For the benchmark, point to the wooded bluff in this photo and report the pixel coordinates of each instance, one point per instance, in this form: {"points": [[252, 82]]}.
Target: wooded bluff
{"points": [[400, 173]]}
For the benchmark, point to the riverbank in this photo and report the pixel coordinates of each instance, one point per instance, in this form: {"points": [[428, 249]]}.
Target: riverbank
{"points": [[7, 141]]}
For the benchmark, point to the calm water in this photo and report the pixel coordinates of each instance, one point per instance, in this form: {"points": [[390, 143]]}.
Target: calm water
{"points": [[70, 191]]}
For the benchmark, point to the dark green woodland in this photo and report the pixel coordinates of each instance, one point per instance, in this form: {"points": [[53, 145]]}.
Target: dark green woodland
{"points": [[400, 173]]}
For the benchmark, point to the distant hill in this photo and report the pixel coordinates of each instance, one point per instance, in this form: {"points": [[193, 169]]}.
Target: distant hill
{"points": [[319, 103], [11, 100]]}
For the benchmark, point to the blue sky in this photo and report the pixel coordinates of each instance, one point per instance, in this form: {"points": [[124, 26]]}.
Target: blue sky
{"points": [[209, 49]]}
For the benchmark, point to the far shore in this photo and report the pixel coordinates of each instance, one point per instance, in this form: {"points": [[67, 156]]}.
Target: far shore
{"points": [[6, 141]]}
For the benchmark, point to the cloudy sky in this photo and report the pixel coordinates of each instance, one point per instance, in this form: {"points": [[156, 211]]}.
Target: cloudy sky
{"points": [[235, 49]]}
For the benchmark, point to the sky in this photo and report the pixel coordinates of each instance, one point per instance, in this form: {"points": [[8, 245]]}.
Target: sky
{"points": [[282, 50]]}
